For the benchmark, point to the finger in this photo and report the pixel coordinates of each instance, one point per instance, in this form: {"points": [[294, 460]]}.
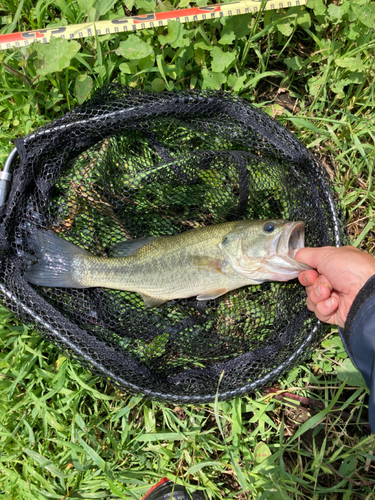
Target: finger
{"points": [[308, 278], [320, 290], [310, 305], [327, 309]]}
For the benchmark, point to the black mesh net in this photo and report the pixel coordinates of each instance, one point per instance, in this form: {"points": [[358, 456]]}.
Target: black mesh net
{"points": [[127, 164]]}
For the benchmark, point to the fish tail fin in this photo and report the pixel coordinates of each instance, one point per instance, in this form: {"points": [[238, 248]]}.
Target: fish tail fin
{"points": [[56, 261]]}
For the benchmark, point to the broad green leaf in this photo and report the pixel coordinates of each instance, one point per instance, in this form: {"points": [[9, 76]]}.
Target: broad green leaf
{"points": [[355, 77], [221, 60], [285, 27], [63, 6], [318, 6], [302, 16], [127, 68], [134, 48], [335, 12], [294, 63], [227, 37], [315, 83], [347, 466], [236, 82], [212, 80], [333, 342], [102, 7], [304, 19], [176, 36], [146, 5], [83, 87], [365, 13], [235, 27], [147, 62], [55, 56], [86, 4], [354, 31], [200, 57], [348, 371], [158, 85], [261, 452], [202, 44], [292, 376], [183, 4], [352, 63], [163, 6]]}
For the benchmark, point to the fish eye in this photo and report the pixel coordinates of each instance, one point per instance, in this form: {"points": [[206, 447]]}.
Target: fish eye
{"points": [[268, 227]]}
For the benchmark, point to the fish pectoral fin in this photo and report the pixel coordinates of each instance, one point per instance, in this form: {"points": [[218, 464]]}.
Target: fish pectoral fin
{"points": [[128, 247], [208, 263], [212, 294], [152, 301]]}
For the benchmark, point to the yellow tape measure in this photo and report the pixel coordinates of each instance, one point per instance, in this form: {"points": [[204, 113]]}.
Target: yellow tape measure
{"points": [[143, 21]]}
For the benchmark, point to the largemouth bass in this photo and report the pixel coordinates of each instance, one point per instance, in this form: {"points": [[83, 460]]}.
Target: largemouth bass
{"points": [[206, 262]]}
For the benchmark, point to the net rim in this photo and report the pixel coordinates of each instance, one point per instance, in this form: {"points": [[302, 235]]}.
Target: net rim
{"points": [[104, 371]]}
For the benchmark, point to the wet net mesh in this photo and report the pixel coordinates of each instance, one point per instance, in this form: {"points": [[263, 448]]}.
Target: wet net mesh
{"points": [[129, 164]]}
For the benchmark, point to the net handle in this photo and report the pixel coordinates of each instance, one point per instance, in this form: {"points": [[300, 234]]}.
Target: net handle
{"points": [[6, 177]]}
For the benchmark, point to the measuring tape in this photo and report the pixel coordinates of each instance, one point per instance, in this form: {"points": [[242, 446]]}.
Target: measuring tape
{"points": [[143, 21]]}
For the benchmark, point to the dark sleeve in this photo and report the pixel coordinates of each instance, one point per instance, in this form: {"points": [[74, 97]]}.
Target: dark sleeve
{"points": [[359, 339]]}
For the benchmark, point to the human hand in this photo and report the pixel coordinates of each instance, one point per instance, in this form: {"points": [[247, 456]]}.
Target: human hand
{"points": [[339, 276]]}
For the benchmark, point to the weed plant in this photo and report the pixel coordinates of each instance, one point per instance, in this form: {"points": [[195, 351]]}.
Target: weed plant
{"points": [[64, 433]]}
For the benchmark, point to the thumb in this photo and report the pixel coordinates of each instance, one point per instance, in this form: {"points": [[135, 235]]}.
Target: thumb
{"points": [[312, 256]]}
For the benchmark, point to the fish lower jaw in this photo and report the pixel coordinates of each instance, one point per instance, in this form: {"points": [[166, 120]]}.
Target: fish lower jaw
{"points": [[285, 275], [282, 268]]}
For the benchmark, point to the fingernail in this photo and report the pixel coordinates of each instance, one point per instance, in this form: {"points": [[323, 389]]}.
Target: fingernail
{"points": [[318, 291], [307, 279], [329, 302]]}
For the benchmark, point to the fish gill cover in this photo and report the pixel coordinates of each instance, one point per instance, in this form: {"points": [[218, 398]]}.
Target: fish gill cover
{"points": [[129, 164]]}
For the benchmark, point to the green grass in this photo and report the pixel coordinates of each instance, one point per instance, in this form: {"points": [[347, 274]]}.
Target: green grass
{"points": [[67, 434]]}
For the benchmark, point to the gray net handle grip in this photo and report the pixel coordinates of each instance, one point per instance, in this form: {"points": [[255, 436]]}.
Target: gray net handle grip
{"points": [[6, 177]]}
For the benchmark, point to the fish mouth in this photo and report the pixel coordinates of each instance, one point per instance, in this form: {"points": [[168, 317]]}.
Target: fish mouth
{"points": [[290, 241], [295, 238], [286, 245]]}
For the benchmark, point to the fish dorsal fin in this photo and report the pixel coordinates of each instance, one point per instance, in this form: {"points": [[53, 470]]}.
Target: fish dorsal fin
{"points": [[152, 301], [128, 247]]}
